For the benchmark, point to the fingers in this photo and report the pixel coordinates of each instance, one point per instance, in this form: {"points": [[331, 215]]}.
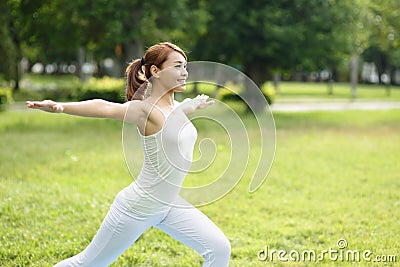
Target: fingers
{"points": [[206, 104], [209, 103], [46, 105], [35, 104], [202, 98], [203, 103], [198, 102], [30, 104]]}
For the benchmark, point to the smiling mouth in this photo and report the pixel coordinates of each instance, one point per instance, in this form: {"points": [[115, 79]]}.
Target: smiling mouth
{"points": [[183, 81]]}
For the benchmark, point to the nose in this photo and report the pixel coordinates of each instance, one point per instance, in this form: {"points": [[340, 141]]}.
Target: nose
{"points": [[185, 72]]}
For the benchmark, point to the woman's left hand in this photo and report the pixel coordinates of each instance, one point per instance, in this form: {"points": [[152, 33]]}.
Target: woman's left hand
{"points": [[199, 102]]}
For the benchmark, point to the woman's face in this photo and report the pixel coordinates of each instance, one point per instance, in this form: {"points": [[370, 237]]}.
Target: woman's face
{"points": [[173, 73]]}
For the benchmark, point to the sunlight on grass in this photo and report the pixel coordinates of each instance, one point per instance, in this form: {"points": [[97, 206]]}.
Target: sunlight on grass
{"points": [[335, 175], [299, 91]]}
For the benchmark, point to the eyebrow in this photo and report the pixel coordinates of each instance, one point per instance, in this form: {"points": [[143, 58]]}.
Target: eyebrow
{"points": [[180, 62]]}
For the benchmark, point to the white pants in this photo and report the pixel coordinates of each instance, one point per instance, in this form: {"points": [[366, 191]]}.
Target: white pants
{"points": [[121, 228]]}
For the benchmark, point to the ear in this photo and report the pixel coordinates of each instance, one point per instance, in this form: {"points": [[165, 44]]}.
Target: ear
{"points": [[154, 71]]}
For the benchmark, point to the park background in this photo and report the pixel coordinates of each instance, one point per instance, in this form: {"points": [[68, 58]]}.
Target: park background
{"points": [[335, 174]]}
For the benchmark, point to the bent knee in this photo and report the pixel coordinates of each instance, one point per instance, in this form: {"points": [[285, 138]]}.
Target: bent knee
{"points": [[223, 247], [219, 253]]}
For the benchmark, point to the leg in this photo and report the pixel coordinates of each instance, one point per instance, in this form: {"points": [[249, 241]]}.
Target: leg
{"points": [[116, 234], [194, 229]]}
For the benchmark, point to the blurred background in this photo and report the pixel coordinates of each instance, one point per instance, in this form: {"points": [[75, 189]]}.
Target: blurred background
{"points": [[71, 50]]}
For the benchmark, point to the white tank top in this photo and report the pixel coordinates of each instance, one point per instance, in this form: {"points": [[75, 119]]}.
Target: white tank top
{"points": [[167, 160]]}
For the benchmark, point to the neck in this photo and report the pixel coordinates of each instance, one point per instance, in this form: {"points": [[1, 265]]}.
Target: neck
{"points": [[163, 99]]}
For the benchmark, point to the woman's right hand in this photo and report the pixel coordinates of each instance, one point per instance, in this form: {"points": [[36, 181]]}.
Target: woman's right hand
{"points": [[46, 105]]}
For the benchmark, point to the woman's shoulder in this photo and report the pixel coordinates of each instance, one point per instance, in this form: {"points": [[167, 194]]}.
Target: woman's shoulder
{"points": [[140, 105]]}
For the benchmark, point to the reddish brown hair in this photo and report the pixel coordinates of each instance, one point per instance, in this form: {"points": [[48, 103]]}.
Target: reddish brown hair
{"points": [[137, 77]]}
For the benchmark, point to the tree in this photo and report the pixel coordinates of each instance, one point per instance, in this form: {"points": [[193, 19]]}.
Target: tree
{"points": [[126, 27], [10, 42], [8, 52], [33, 28], [384, 49], [55, 30], [274, 36], [132, 25]]}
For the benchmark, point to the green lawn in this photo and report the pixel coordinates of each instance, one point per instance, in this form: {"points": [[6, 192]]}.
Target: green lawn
{"points": [[335, 175], [313, 91]]}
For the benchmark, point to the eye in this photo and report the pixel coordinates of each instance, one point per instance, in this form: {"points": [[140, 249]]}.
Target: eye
{"points": [[180, 66]]}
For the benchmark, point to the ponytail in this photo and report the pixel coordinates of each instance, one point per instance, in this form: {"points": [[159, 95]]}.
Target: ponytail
{"points": [[136, 82]]}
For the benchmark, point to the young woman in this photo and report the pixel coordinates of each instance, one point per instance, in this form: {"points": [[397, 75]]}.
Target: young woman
{"points": [[152, 199]]}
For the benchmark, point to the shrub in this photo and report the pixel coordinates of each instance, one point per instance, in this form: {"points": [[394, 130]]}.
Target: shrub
{"points": [[5, 98], [40, 87], [26, 94], [56, 94], [269, 93], [235, 91], [111, 89]]}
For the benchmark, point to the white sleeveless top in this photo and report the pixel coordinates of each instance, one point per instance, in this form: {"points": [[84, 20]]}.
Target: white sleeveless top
{"points": [[167, 160]]}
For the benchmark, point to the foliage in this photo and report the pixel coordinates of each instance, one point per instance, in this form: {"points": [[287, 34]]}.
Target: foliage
{"points": [[385, 27], [5, 98], [39, 87], [384, 32], [267, 37], [69, 88], [7, 50], [233, 92], [101, 26], [261, 37], [278, 35], [9, 42], [269, 93], [107, 88]]}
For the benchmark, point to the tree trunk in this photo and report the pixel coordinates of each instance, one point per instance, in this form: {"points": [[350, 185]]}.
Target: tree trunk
{"points": [[18, 58], [17, 75], [195, 88], [81, 61], [354, 75], [257, 73], [331, 82], [277, 81], [393, 77], [389, 82], [133, 50], [130, 51], [330, 86]]}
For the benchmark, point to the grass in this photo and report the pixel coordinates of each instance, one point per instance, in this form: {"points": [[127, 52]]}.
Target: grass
{"points": [[335, 175], [313, 91]]}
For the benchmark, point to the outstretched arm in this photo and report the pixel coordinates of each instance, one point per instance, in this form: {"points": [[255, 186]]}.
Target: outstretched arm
{"points": [[96, 108]]}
